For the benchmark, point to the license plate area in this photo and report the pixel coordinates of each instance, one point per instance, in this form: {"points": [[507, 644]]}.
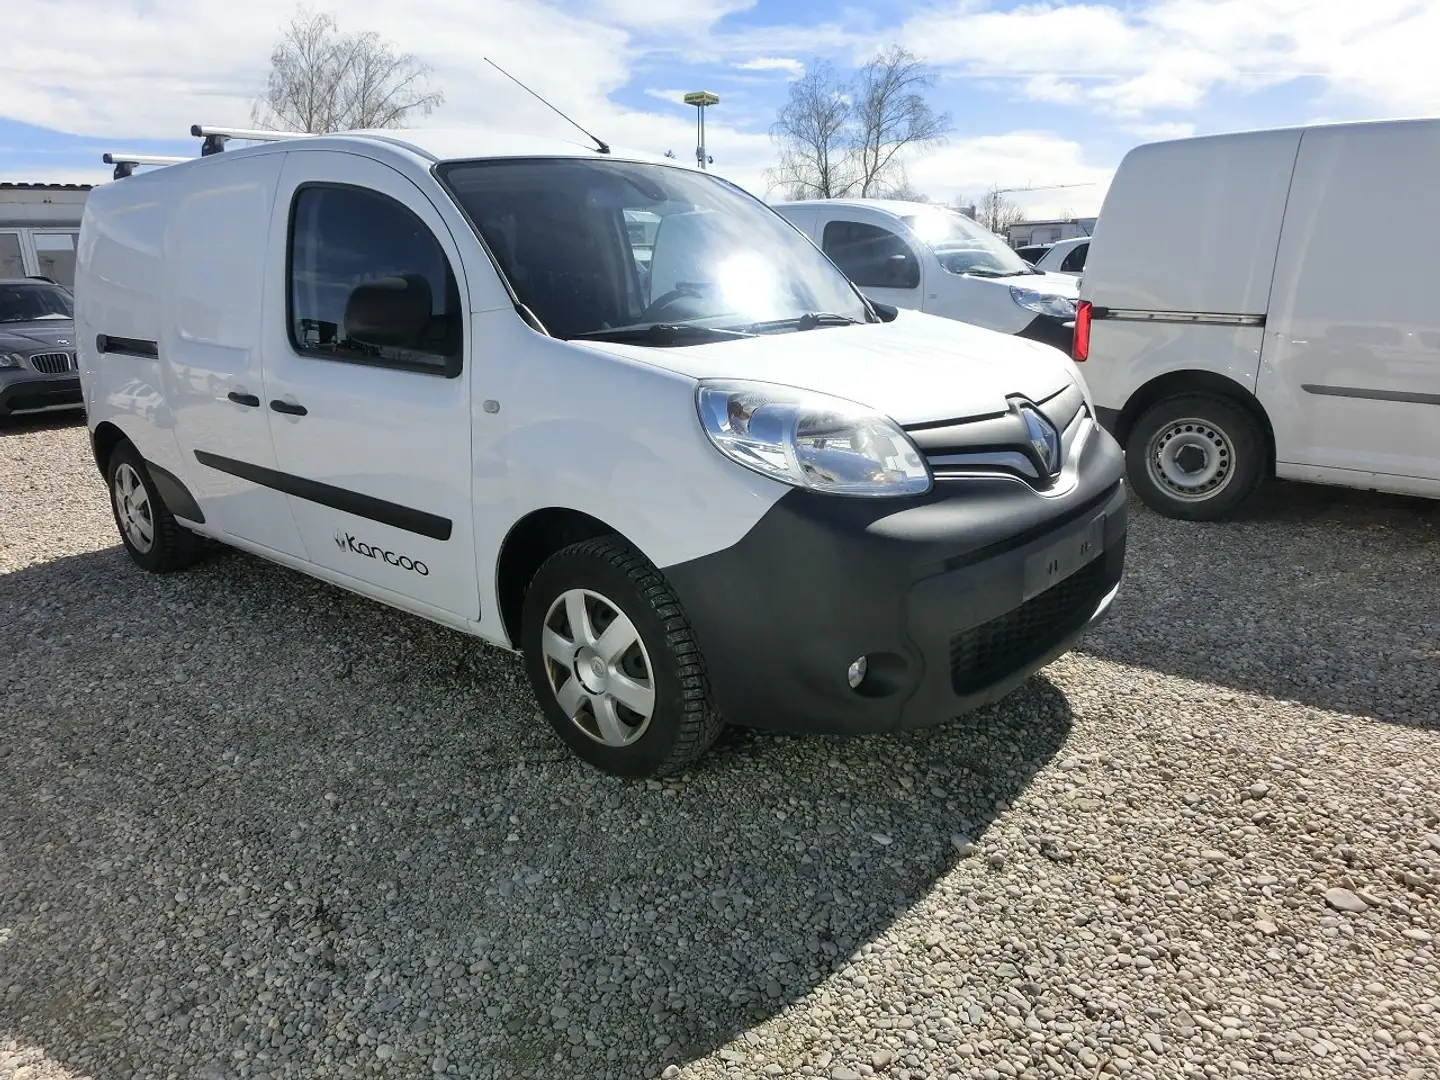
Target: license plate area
{"points": [[1059, 560]]}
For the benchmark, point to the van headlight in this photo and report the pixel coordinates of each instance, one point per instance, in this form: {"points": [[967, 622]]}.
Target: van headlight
{"points": [[1057, 307], [810, 440]]}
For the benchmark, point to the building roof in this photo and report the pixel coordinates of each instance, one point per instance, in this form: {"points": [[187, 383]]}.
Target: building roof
{"points": [[7, 185]]}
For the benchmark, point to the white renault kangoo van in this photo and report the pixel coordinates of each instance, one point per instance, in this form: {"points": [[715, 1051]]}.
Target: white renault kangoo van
{"points": [[701, 483], [1300, 335]]}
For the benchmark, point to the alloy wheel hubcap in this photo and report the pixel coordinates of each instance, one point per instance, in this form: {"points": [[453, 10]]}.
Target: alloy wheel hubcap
{"points": [[598, 668], [132, 506]]}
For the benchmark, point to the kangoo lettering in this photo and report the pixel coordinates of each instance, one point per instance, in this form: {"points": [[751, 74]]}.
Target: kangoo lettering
{"points": [[370, 551]]}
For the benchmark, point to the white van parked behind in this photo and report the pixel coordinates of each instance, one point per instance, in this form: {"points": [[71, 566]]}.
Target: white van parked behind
{"points": [[931, 258], [1295, 339], [425, 367]]}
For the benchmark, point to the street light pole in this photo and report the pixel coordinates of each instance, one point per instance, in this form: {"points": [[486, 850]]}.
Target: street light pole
{"points": [[701, 99]]}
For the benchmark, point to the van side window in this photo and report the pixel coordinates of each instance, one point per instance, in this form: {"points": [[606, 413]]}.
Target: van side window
{"points": [[870, 255], [1075, 261], [342, 238]]}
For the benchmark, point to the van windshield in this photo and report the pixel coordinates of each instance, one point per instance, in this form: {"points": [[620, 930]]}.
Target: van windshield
{"points": [[612, 248], [965, 247]]}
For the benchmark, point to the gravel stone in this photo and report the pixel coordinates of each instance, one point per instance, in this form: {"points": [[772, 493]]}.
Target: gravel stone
{"points": [[254, 828], [1345, 900]]}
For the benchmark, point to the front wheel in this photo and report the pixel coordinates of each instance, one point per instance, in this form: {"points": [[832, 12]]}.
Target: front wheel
{"points": [[1196, 457], [614, 663]]}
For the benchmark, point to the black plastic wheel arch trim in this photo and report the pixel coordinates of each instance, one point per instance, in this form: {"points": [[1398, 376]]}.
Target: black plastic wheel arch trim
{"points": [[174, 494], [351, 502]]}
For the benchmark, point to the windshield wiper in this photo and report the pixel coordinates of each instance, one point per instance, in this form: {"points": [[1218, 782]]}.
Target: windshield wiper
{"points": [[660, 334], [809, 321]]}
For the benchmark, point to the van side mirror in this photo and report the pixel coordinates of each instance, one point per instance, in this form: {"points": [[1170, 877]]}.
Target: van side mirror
{"points": [[392, 311]]}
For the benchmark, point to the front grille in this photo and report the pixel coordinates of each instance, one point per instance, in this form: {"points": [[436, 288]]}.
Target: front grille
{"points": [[987, 653], [51, 363]]}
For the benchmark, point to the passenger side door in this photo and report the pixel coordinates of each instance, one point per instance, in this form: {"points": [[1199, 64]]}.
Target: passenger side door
{"points": [[366, 380], [878, 260]]}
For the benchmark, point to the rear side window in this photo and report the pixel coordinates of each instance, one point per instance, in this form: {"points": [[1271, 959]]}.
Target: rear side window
{"points": [[1075, 261], [343, 237], [871, 256]]}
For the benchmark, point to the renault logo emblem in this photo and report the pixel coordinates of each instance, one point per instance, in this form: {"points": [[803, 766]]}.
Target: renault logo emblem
{"points": [[1043, 437]]}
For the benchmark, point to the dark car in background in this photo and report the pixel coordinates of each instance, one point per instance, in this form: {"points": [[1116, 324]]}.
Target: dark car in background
{"points": [[37, 347]]}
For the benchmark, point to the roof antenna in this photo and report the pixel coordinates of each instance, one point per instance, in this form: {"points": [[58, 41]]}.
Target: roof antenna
{"points": [[601, 143]]}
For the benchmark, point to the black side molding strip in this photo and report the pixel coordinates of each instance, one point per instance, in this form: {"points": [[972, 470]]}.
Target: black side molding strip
{"points": [[350, 502], [1196, 318], [174, 494], [129, 346], [1409, 396]]}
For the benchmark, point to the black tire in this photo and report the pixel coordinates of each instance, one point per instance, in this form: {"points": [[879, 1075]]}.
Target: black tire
{"points": [[172, 546], [683, 722], [1234, 440]]}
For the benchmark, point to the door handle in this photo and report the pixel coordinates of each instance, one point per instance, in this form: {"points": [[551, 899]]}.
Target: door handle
{"points": [[287, 408], [244, 399]]}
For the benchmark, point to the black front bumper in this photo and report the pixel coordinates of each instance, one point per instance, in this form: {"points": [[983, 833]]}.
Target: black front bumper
{"points": [[1051, 331], [27, 391], [933, 592]]}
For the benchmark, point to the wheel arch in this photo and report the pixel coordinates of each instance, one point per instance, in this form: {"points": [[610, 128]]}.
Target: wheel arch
{"points": [[530, 541], [1174, 383], [103, 440]]}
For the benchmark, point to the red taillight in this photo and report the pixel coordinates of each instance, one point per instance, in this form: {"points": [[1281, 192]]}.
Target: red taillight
{"points": [[1080, 350]]}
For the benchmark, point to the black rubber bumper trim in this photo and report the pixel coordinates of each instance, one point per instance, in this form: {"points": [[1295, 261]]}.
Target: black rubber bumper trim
{"points": [[24, 395], [820, 581], [337, 498], [1051, 331], [174, 494]]}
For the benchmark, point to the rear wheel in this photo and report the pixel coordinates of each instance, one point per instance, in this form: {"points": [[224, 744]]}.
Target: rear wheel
{"points": [[1196, 457], [614, 663], [150, 533]]}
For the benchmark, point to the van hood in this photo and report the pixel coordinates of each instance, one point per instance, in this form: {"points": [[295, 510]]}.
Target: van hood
{"points": [[915, 369]]}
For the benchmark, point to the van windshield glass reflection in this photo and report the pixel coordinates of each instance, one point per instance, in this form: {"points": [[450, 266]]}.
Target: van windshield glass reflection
{"points": [[598, 248]]}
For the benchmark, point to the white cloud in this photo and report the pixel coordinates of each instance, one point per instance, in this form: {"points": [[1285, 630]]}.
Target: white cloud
{"points": [[967, 168], [125, 70], [1161, 130], [792, 68], [1170, 54]]}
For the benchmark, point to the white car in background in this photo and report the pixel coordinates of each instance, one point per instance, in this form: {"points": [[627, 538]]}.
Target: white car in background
{"points": [[933, 259], [1065, 256]]}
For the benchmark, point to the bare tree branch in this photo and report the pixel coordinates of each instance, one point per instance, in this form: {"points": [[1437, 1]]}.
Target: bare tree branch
{"points": [[891, 113], [811, 130], [997, 213], [322, 80]]}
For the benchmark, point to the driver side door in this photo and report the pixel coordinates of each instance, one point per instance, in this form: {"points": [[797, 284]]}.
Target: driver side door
{"points": [[880, 262], [372, 444]]}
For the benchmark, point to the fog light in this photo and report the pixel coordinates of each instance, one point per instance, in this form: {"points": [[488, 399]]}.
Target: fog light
{"points": [[856, 673]]}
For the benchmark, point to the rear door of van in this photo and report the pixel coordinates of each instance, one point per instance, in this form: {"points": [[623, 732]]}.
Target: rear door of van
{"points": [[1350, 371], [372, 445]]}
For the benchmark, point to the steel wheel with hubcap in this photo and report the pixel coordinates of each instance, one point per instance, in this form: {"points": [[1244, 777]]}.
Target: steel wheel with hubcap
{"points": [[614, 663], [132, 508], [598, 668], [1196, 456], [151, 535]]}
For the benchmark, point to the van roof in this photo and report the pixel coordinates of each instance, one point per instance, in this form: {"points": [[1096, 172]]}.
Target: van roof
{"points": [[434, 145], [898, 207]]}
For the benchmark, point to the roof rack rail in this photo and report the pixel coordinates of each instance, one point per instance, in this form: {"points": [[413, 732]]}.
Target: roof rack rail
{"points": [[216, 137], [125, 163]]}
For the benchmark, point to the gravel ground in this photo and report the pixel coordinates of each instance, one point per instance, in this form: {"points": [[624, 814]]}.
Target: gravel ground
{"points": [[251, 826]]}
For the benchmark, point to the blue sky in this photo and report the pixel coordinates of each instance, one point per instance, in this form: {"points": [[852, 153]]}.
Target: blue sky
{"points": [[1041, 93]]}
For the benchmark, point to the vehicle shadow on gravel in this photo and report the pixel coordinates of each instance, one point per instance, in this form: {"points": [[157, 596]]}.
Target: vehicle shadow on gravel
{"points": [[51, 421], [252, 824], [1319, 595]]}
